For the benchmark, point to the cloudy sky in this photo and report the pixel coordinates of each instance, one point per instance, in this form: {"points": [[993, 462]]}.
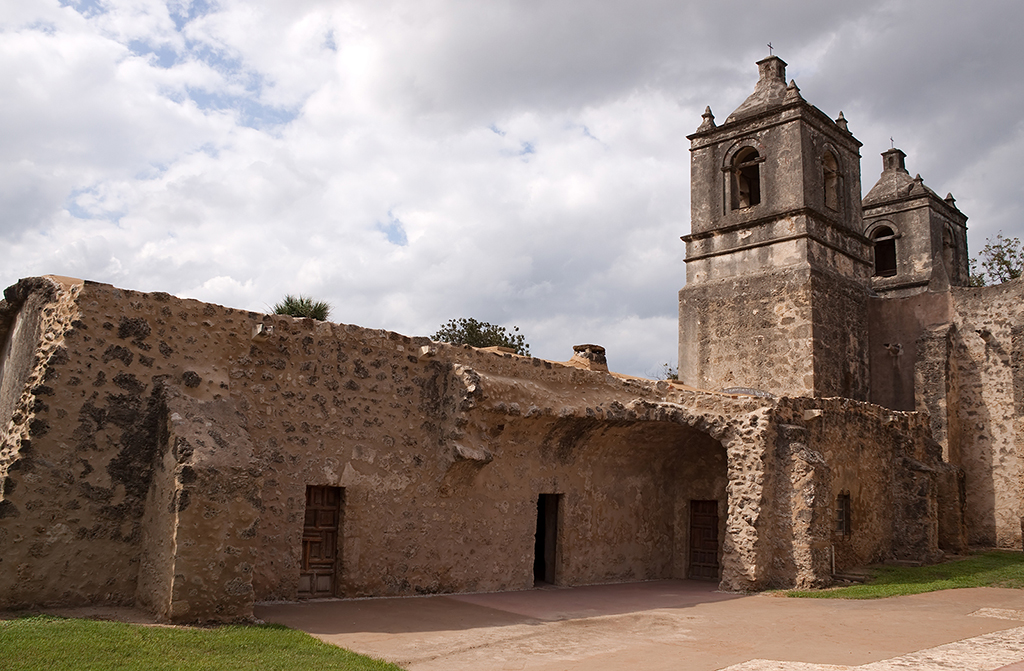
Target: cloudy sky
{"points": [[523, 162]]}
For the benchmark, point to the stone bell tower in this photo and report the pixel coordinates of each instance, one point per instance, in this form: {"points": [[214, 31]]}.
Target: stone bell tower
{"points": [[920, 239], [777, 268]]}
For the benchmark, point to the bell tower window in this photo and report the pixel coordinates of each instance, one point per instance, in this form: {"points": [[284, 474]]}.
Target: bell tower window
{"points": [[885, 251], [746, 178], [830, 168]]}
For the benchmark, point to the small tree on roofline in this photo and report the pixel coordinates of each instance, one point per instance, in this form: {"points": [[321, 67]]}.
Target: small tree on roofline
{"points": [[1002, 259], [464, 331], [667, 372], [303, 306]]}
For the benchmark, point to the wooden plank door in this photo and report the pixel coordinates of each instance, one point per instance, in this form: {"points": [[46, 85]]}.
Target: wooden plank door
{"points": [[320, 541], [704, 540]]}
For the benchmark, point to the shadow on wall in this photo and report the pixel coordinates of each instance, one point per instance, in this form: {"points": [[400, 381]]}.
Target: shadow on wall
{"points": [[977, 450]]}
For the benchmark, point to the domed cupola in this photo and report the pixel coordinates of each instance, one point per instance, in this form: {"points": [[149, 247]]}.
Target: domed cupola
{"points": [[769, 92]]}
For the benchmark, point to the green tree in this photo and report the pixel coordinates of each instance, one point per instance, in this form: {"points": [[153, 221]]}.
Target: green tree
{"points": [[303, 306], [464, 331], [1002, 259]]}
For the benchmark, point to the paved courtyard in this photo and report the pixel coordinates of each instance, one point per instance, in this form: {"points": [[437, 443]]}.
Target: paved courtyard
{"points": [[673, 624]]}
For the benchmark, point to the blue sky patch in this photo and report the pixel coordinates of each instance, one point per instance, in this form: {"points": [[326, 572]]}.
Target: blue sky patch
{"points": [[193, 9], [251, 112], [329, 42], [96, 212], [166, 57], [87, 8], [394, 231]]}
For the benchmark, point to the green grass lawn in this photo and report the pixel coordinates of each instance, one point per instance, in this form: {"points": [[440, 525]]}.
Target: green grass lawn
{"points": [[991, 569], [51, 644]]}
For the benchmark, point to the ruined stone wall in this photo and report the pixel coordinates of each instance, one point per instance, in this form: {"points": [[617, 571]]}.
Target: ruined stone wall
{"points": [[170, 461], [165, 461], [887, 463], [208, 483], [80, 452], [60, 458], [987, 410]]}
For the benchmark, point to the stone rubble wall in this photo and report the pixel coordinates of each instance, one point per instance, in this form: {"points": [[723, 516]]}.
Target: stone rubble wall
{"points": [[885, 460], [959, 356], [160, 449], [984, 392], [840, 317], [773, 311], [804, 334]]}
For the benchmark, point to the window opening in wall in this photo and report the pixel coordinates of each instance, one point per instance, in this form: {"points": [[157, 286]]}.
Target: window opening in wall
{"points": [[746, 178], [830, 168], [703, 540], [885, 251], [324, 506], [544, 549], [844, 523]]}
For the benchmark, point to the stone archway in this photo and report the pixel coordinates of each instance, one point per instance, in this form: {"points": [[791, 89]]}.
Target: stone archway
{"points": [[627, 482]]}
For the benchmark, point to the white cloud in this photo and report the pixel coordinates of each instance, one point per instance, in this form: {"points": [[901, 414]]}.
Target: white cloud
{"points": [[531, 156]]}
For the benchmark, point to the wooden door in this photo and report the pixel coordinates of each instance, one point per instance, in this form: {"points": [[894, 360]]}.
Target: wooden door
{"points": [[704, 540], [320, 541]]}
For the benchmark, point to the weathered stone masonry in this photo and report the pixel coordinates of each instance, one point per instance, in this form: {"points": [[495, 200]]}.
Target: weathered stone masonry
{"points": [[194, 459], [797, 287], [157, 451]]}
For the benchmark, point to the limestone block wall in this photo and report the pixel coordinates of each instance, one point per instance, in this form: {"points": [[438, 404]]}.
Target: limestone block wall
{"points": [[840, 354], [73, 459], [896, 327], [772, 311], [214, 482], [788, 332]]}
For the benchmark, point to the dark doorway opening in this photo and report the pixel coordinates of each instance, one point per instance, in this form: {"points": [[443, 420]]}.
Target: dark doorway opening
{"points": [[703, 540], [544, 549], [320, 529]]}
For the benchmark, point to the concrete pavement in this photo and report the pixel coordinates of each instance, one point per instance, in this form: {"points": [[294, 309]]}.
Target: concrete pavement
{"points": [[672, 624]]}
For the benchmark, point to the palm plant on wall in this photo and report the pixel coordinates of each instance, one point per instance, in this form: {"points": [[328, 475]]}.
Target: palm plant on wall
{"points": [[303, 306]]}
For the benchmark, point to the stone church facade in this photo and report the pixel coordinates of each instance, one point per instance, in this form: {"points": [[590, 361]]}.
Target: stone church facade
{"points": [[193, 459], [796, 286]]}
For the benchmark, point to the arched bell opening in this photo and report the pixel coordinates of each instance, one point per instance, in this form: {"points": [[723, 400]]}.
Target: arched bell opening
{"points": [[884, 240], [746, 178]]}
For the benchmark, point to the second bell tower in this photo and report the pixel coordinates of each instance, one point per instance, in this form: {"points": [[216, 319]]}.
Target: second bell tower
{"points": [[777, 268]]}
